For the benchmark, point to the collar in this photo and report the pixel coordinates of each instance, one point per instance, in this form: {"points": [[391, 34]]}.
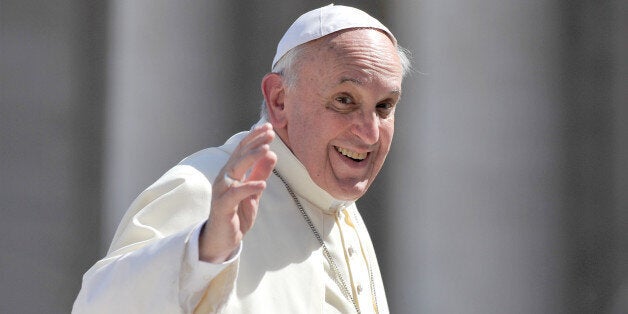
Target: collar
{"points": [[293, 171]]}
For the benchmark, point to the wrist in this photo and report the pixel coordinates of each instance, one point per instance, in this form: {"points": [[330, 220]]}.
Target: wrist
{"points": [[211, 252]]}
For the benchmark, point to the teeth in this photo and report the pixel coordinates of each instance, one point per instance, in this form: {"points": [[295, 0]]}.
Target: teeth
{"points": [[351, 154]]}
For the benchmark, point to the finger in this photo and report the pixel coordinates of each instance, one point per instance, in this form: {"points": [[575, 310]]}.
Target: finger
{"points": [[263, 167], [228, 176], [254, 135], [247, 211], [227, 202], [264, 138], [240, 165], [246, 189], [243, 158]]}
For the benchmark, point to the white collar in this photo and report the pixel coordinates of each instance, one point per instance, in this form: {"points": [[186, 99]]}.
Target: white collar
{"points": [[295, 173]]}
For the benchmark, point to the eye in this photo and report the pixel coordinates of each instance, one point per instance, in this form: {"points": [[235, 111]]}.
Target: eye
{"points": [[345, 100], [385, 109]]}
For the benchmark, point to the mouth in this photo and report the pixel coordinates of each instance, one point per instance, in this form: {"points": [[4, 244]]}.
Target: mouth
{"points": [[355, 156]]}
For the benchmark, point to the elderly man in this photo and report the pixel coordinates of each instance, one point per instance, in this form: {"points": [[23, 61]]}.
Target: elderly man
{"points": [[267, 222]]}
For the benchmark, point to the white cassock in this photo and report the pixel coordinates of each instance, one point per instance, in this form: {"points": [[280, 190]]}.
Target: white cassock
{"points": [[152, 265]]}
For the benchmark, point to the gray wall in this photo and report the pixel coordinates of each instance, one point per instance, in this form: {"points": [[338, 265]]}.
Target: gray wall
{"points": [[505, 192], [517, 199], [51, 153]]}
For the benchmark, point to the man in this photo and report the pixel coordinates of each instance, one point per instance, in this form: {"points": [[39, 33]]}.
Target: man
{"points": [[267, 222]]}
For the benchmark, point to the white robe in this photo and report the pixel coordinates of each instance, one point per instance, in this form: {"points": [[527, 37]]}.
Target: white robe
{"points": [[152, 265]]}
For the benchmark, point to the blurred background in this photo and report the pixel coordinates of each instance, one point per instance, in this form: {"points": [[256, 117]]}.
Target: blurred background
{"points": [[506, 190]]}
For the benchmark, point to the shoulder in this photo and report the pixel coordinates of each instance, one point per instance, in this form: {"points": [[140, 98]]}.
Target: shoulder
{"points": [[209, 161]]}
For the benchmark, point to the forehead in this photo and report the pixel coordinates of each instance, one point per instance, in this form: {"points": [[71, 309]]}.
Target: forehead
{"points": [[358, 55]]}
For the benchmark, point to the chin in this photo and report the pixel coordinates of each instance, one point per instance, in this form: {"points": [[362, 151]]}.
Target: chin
{"points": [[350, 193]]}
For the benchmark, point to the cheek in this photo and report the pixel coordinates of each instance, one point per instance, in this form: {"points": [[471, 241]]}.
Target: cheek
{"points": [[307, 135], [387, 131], [386, 136]]}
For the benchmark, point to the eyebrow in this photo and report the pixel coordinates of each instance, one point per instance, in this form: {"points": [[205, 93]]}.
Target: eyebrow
{"points": [[361, 83], [351, 80]]}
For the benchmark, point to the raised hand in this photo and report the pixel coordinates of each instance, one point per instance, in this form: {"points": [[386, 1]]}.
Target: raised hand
{"points": [[235, 195]]}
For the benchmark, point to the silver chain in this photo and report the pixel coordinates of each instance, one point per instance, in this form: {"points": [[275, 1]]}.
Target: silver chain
{"points": [[338, 276]]}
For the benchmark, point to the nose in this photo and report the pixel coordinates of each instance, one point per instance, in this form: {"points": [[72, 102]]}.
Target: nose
{"points": [[366, 127]]}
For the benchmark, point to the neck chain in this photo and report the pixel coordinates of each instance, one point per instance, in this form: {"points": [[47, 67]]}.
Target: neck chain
{"points": [[338, 276]]}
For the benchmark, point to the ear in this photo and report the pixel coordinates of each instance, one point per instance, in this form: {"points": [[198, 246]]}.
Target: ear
{"points": [[274, 93]]}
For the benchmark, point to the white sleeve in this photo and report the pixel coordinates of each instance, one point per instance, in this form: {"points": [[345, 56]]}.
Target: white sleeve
{"points": [[196, 274], [152, 265]]}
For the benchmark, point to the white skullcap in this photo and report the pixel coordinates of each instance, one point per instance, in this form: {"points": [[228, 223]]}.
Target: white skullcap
{"points": [[324, 21]]}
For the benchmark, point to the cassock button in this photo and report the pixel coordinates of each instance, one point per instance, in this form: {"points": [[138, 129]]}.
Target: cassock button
{"points": [[351, 251], [359, 288]]}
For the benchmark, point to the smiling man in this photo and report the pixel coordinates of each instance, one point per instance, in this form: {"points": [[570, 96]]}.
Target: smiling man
{"points": [[267, 222], [338, 118]]}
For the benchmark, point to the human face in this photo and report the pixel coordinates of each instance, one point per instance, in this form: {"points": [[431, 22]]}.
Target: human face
{"points": [[340, 112]]}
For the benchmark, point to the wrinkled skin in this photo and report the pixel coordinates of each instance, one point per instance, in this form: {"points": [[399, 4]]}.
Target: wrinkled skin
{"points": [[343, 100]]}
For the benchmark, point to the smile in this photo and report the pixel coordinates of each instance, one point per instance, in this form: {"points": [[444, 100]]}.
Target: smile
{"points": [[351, 154]]}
